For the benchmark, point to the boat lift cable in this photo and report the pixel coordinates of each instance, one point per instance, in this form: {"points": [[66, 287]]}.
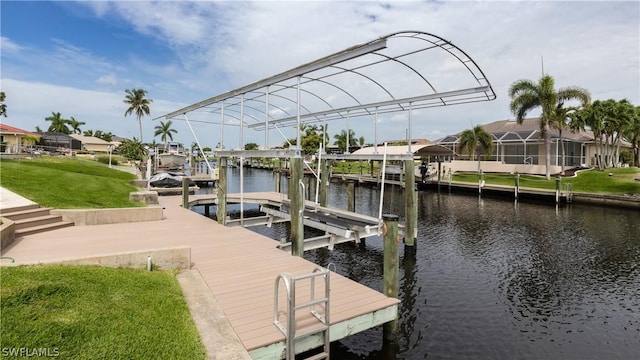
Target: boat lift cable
{"points": [[198, 143]]}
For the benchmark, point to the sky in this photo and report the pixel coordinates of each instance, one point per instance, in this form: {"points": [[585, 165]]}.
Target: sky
{"points": [[78, 57]]}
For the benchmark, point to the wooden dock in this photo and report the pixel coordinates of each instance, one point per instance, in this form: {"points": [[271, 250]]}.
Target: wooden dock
{"points": [[239, 266]]}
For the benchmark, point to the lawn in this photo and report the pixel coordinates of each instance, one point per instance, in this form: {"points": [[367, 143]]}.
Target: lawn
{"points": [[68, 183], [90, 312], [610, 181]]}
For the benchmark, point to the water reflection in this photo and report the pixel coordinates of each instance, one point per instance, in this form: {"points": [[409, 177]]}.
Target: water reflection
{"points": [[496, 279]]}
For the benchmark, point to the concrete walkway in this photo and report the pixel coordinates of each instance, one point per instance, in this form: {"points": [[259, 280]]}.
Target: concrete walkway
{"points": [[9, 199]]}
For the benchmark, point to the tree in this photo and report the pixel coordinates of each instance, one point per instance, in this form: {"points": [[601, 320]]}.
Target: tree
{"points": [[632, 135], [251, 146], [75, 125], [131, 149], [165, 130], [138, 104], [3, 106], [38, 129], [58, 124], [476, 141], [527, 95], [561, 122], [341, 139], [87, 133]]}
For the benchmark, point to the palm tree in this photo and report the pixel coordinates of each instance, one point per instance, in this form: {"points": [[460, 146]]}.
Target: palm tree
{"points": [[165, 130], [38, 129], [562, 121], [87, 133], [138, 104], [75, 125], [341, 139], [527, 95], [3, 106], [58, 124], [476, 141]]}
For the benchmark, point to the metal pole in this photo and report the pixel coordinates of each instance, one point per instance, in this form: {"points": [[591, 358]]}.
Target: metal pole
{"points": [[298, 119], [241, 191], [347, 146], [222, 126], [409, 133], [384, 167], [197, 142], [390, 272], [375, 133], [266, 118], [241, 123]]}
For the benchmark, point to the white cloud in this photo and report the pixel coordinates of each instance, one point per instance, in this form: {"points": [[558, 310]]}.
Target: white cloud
{"points": [[224, 45]]}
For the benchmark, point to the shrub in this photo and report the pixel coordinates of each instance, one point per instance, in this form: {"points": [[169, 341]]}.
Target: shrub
{"points": [[104, 159]]}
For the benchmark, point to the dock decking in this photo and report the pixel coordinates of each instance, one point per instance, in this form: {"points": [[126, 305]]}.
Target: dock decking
{"points": [[239, 267]]}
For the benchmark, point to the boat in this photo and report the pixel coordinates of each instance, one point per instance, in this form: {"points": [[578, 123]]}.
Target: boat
{"points": [[172, 156], [168, 180]]}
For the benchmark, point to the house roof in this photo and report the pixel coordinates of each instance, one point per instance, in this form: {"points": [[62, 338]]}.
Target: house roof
{"points": [[89, 139], [418, 150], [8, 129], [529, 129]]}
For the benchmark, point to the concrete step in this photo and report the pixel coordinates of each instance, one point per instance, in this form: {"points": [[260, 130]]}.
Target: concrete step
{"points": [[42, 228], [37, 221], [26, 213], [17, 209]]}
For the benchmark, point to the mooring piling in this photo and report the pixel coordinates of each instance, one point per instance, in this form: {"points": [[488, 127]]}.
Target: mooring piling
{"points": [[221, 210], [390, 270], [410, 209], [296, 196]]}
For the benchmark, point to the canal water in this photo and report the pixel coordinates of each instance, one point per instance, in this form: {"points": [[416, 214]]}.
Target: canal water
{"points": [[493, 279]]}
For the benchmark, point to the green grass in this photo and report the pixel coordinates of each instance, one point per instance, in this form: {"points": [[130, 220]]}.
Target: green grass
{"points": [[68, 183], [90, 312], [622, 181]]}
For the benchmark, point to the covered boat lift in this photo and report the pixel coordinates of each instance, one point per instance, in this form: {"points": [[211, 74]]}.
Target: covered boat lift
{"points": [[399, 72]]}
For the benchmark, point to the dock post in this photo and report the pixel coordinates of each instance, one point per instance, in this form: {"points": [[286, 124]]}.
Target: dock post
{"points": [[185, 192], [277, 180], [557, 189], [391, 270], [296, 196], [410, 210], [324, 182], [221, 210], [517, 189], [351, 196]]}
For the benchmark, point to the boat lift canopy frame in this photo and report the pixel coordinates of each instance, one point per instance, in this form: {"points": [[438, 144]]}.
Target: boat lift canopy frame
{"points": [[402, 71]]}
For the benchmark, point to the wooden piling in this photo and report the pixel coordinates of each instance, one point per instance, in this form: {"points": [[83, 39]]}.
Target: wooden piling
{"points": [[296, 196], [410, 209], [351, 196], [277, 176], [517, 187], [324, 182], [221, 210], [185, 192], [557, 189], [390, 271]]}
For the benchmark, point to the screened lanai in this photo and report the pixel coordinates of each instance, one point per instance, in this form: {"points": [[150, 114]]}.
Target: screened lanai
{"points": [[515, 143], [399, 72]]}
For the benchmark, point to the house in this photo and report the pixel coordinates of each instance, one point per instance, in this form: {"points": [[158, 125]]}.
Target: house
{"points": [[15, 140], [92, 143], [59, 142], [522, 144]]}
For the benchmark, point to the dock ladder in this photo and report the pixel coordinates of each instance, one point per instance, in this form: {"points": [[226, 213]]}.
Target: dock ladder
{"points": [[313, 303]]}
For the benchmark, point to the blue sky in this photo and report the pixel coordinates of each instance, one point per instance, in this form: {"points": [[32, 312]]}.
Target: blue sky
{"points": [[77, 58]]}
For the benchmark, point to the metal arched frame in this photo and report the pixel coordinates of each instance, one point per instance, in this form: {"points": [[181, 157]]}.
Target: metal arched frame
{"points": [[340, 85]]}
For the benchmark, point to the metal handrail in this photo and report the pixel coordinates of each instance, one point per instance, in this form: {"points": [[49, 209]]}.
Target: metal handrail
{"points": [[290, 330]]}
